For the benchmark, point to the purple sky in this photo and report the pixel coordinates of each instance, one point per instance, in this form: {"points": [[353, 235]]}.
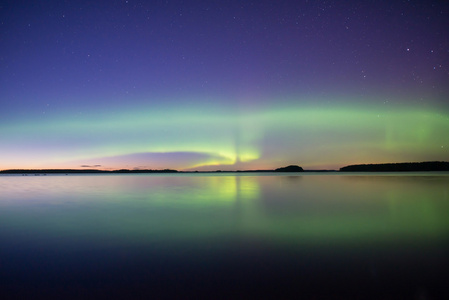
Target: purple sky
{"points": [[66, 64]]}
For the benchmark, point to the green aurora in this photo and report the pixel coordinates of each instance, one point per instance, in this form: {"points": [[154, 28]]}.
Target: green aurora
{"points": [[210, 138]]}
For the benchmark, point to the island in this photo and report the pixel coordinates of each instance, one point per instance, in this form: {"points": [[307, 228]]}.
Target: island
{"points": [[291, 168]]}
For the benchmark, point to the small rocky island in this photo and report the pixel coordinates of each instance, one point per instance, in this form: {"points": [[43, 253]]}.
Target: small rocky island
{"points": [[291, 168]]}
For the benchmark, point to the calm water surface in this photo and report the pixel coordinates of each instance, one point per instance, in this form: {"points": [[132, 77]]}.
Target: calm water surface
{"points": [[225, 235]]}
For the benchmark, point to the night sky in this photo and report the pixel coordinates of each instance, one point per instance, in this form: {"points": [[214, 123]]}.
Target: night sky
{"points": [[206, 85]]}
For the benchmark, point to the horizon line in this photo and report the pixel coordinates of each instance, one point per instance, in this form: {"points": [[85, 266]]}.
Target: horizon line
{"points": [[167, 170]]}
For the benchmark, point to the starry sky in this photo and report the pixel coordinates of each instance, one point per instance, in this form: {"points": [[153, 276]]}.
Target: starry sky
{"points": [[207, 85]]}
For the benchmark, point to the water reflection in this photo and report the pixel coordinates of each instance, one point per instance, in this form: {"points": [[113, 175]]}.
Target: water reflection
{"points": [[373, 234], [288, 208]]}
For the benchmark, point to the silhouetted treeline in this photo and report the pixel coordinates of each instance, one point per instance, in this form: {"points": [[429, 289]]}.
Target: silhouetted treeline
{"points": [[292, 168], [399, 167], [87, 171], [145, 171]]}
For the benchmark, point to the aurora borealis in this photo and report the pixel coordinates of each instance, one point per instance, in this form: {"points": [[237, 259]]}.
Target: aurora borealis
{"points": [[207, 85]]}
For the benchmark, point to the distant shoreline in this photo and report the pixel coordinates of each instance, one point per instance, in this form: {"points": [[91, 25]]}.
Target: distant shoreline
{"points": [[428, 166], [169, 171], [386, 167]]}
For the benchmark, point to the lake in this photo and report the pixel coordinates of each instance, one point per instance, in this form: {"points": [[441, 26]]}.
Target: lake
{"points": [[225, 235]]}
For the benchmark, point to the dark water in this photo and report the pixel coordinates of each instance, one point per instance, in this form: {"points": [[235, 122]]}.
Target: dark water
{"points": [[382, 236]]}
